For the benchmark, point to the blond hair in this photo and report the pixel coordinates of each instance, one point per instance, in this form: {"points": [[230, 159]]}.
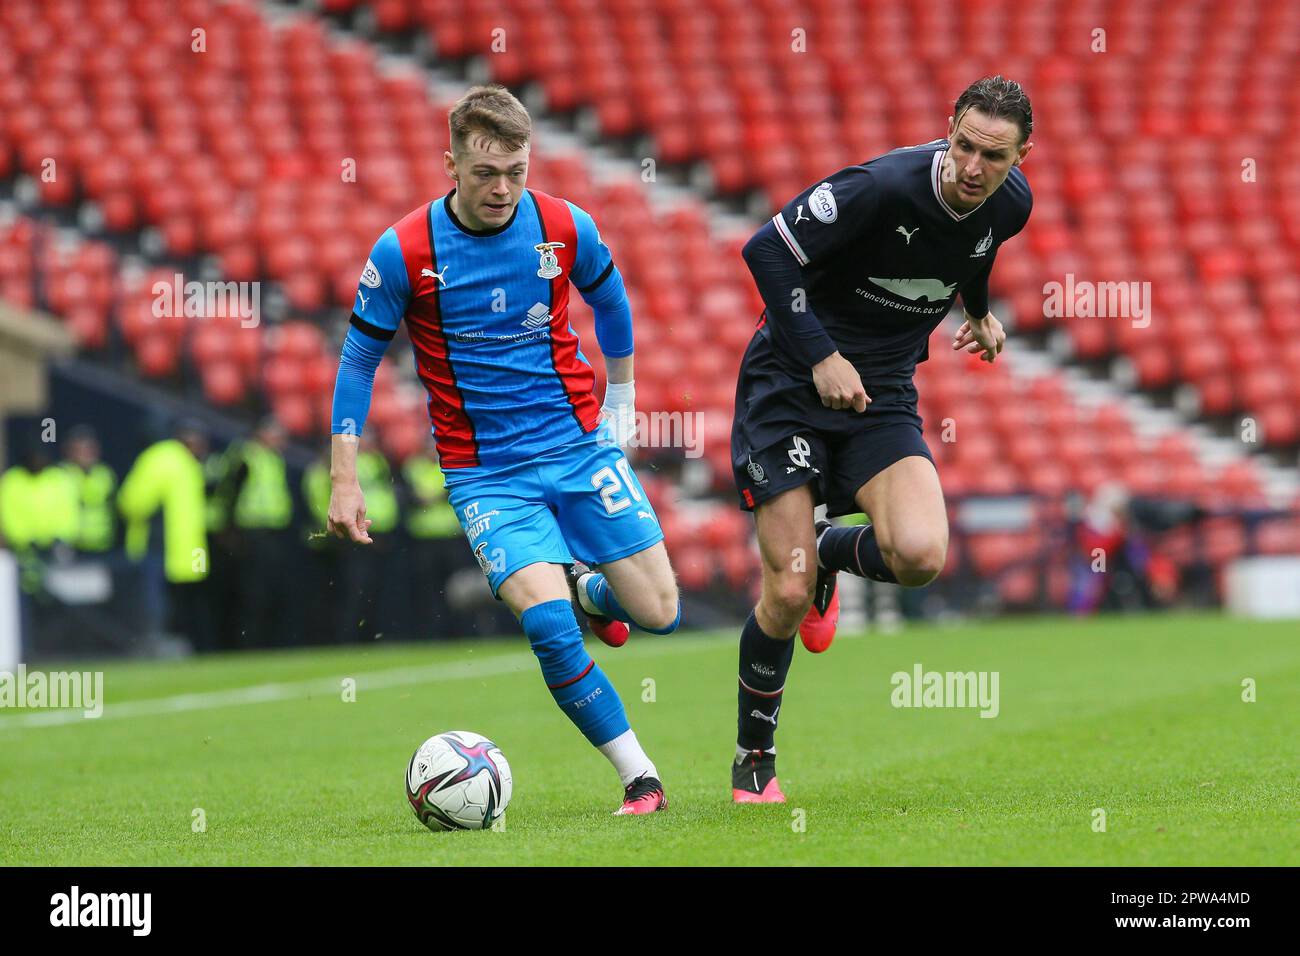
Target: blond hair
{"points": [[493, 113]]}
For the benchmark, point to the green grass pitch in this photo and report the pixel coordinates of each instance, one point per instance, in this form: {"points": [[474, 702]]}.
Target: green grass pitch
{"points": [[1140, 717]]}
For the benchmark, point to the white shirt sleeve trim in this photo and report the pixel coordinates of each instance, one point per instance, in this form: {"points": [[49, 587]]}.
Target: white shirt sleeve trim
{"points": [[779, 221]]}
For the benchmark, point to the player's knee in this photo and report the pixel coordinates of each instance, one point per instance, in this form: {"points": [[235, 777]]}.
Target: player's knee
{"points": [[918, 561], [790, 596]]}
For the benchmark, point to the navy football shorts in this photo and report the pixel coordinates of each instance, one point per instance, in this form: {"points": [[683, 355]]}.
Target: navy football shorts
{"points": [[783, 436]]}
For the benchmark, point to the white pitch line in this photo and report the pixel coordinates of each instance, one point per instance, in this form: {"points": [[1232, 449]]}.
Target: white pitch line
{"points": [[299, 690]]}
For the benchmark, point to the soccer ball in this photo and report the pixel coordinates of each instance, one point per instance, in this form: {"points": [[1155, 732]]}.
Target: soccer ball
{"points": [[458, 781]]}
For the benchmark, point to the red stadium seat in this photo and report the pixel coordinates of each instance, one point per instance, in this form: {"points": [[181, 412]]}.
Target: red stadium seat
{"points": [[240, 161]]}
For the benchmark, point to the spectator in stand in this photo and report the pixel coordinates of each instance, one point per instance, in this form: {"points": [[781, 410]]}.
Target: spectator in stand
{"points": [[360, 573], [255, 498], [38, 511], [437, 544], [95, 484], [1112, 562], [168, 479]]}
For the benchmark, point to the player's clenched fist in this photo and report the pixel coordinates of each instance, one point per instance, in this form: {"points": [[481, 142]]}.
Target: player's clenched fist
{"points": [[347, 515], [980, 335], [839, 384]]}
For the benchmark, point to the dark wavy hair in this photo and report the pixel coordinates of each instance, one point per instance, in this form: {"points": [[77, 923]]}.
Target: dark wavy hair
{"points": [[998, 98]]}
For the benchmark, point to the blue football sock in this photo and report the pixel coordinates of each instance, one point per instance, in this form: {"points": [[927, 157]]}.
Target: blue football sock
{"points": [[581, 688], [603, 598]]}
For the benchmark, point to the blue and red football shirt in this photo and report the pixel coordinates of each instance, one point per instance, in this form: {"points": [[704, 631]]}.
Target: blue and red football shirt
{"points": [[487, 315]]}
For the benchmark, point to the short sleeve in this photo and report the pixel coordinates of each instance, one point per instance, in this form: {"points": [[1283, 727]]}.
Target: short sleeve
{"points": [[829, 214], [383, 290], [593, 262]]}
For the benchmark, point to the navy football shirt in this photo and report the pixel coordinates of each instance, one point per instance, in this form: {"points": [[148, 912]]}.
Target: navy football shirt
{"points": [[884, 256]]}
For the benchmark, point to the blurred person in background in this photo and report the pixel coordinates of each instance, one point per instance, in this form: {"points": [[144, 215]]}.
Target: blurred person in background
{"points": [[436, 543], [1112, 566], [365, 570], [38, 511], [167, 479], [94, 483], [320, 617], [256, 507], [223, 572], [358, 574]]}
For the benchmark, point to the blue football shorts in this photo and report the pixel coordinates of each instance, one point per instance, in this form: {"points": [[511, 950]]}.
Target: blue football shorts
{"points": [[577, 500]]}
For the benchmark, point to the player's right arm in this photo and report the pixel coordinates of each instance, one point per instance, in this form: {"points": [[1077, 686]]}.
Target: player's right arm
{"points": [[812, 226], [382, 295]]}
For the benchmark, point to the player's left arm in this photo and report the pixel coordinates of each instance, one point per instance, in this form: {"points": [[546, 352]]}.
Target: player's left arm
{"points": [[981, 331], [601, 287]]}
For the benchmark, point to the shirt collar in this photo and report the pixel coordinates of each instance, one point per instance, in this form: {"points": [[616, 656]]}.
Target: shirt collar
{"points": [[494, 231], [936, 172]]}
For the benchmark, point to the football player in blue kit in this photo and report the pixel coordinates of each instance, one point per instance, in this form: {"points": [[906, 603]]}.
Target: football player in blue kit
{"points": [[856, 272], [533, 463]]}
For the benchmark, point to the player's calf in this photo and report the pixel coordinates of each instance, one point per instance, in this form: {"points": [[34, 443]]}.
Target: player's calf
{"points": [[917, 562], [654, 606], [653, 612], [911, 560], [639, 589], [766, 651]]}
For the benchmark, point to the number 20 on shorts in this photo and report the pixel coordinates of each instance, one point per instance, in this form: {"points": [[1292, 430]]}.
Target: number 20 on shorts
{"points": [[607, 483]]}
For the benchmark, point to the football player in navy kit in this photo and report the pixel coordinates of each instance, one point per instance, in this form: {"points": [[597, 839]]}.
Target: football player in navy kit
{"points": [[856, 272]]}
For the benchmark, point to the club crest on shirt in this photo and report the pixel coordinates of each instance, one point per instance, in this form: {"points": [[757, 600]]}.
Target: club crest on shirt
{"points": [[548, 265], [983, 245], [822, 204]]}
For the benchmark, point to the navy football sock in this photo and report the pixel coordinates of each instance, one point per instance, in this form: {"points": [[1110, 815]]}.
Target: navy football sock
{"points": [[764, 664], [854, 550]]}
